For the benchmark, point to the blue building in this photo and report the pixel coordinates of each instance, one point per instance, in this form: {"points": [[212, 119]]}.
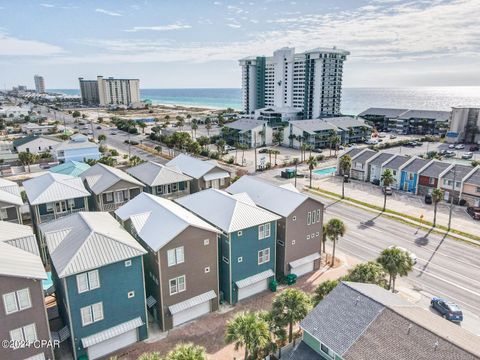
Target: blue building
{"points": [[97, 270], [247, 244], [409, 174], [78, 148]]}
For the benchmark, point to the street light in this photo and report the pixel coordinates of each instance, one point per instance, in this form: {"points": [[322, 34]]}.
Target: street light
{"points": [[451, 201]]}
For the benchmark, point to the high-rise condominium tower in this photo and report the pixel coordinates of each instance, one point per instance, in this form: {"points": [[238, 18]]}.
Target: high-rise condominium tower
{"points": [[109, 91], [39, 84], [311, 80]]}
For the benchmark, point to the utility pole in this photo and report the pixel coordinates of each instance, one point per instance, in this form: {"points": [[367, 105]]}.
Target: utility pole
{"points": [[451, 200], [255, 149], [128, 145]]}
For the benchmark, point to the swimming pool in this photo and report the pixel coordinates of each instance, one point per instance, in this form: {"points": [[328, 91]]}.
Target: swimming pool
{"points": [[325, 171], [47, 282]]}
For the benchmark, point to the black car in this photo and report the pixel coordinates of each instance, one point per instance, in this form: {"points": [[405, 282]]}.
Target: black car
{"points": [[99, 127], [474, 212], [474, 148], [428, 199]]}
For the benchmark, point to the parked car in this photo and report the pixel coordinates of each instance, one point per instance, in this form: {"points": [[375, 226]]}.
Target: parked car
{"points": [[387, 190], [449, 153], [451, 146], [474, 148], [428, 199], [99, 127], [317, 150], [418, 143], [449, 310], [113, 133], [442, 152], [411, 144], [371, 142], [474, 212], [460, 147], [412, 255], [376, 182], [467, 155], [263, 151], [229, 147], [393, 136], [131, 142]]}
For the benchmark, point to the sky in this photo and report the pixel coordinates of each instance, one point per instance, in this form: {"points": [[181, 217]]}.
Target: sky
{"points": [[197, 43]]}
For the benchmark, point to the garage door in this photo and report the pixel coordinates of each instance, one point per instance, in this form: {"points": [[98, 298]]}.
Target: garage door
{"points": [[303, 269], [253, 289], [191, 313], [111, 345]]}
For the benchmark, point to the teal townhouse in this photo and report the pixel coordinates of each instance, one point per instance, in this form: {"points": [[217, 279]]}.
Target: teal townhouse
{"points": [[97, 271], [247, 244]]}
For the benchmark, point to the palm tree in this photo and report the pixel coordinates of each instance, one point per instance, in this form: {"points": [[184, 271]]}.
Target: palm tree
{"points": [[102, 137], [27, 158], [437, 195], [289, 307], [187, 352], [369, 273], [142, 125], [295, 162], [208, 126], [221, 146], [247, 330], [135, 160], [335, 228], [312, 163], [387, 179], [194, 127], [324, 238], [323, 290], [345, 166], [275, 153], [396, 262]]}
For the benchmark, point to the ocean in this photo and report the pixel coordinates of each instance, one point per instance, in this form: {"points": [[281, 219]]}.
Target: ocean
{"points": [[354, 100]]}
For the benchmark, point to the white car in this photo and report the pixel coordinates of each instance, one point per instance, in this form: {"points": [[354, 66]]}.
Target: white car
{"points": [[451, 146], [412, 255], [460, 147], [467, 155]]}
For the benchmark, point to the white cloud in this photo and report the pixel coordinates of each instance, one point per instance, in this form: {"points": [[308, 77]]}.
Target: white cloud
{"points": [[47, 5], [234, 26], [108, 12], [10, 46], [217, 3], [169, 27]]}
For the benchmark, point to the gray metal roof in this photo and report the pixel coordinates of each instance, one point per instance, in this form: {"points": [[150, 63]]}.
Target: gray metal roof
{"points": [[367, 154], [396, 162], [435, 169], [312, 126], [380, 159], [194, 167], [101, 177], [383, 112], [426, 114], [460, 172], [20, 236], [154, 174], [416, 165], [10, 192], [474, 179], [245, 124], [352, 152], [345, 122]]}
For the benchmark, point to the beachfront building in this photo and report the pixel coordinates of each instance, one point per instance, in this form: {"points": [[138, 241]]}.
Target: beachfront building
{"points": [[205, 174], [78, 148], [311, 81], [39, 84], [299, 229], [109, 91], [430, 175], [10, 201], [405, 121], [181, 266], [247, 244], [97, 270], [248, 132], [110, 187], [464, 125], [23, 316], [165, 181], [275, 115], [367, 317]]}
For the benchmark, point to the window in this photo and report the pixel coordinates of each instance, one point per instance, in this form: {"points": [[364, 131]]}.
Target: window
{"points": [[91, 313], [207, 269], [176, 256], [318, 215], [410, 176], [431, 181], [264, 231], [263, 256], [131, 294], [17, 301], [240, 233], [128, 263], [281, 243], [326, 350], [88, 281], [477, 189], [225, 260], [26, 333], [309, 218], [177, 285], [3, 214], [109, 196], [240, 259], [293, 242], [308, 237], [206, 242]]}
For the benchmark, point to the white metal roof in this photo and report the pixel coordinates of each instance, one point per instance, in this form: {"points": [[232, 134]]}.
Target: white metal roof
{"points": [[54, 187], [290, 187], [87, 240], [154, 174], [214, 175], [254, 278], [193, 167], [157, 221], [111, 332], [20, 263], [100, 177], [305, 260], [40, 356], [225, 211], [280, 200], [189, 303], [10, 192], [18, 235], [68, 145]]}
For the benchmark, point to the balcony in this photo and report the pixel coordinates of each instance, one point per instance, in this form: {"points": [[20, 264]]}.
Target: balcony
{"points": [[113, 206], [57, 215]]}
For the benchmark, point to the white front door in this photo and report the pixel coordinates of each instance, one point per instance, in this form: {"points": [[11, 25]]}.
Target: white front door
{"points": [[191, 313], [302, 269], [252, 289], [111, 345], [446, 196]]}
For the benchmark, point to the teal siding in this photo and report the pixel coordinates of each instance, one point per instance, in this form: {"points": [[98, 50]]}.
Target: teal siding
{"points": [[224, 268], [116, 280], [79, 203], [313, 343], [247, 246]]}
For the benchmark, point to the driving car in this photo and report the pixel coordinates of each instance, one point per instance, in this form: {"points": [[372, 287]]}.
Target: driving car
{"points": [[474, 212], [387, 190], [449, 310], [459, 146], [412, 255]]}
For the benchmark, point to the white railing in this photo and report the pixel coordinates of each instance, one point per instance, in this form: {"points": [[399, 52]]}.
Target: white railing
{"points": [[57, 215], [113, 206]]}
